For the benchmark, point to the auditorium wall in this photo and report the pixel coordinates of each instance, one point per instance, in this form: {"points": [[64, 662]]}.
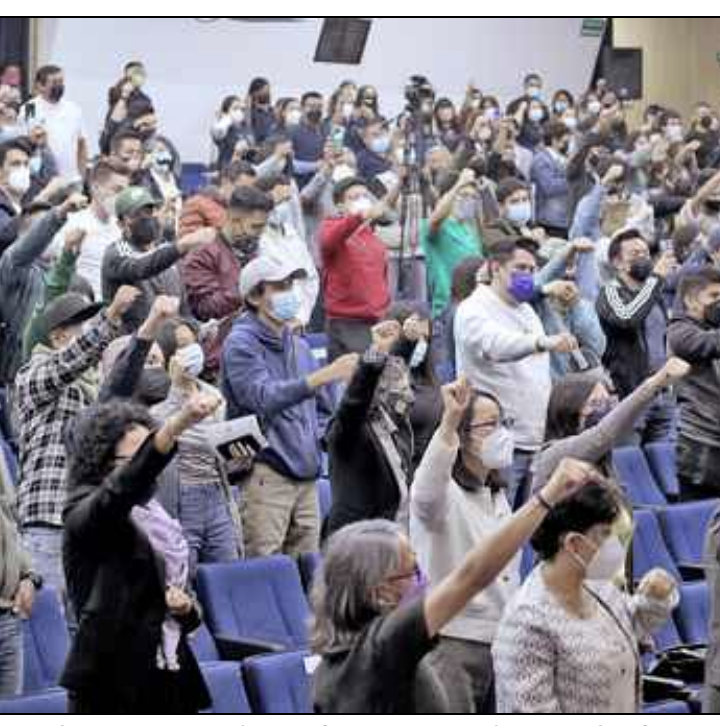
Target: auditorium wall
{"points": [[192, 64]]}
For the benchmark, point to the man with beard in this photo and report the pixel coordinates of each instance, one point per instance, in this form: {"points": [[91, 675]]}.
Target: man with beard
{"points": [[211, 274], [142, 260]]}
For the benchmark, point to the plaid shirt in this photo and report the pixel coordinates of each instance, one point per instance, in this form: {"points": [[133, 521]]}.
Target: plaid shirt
{"points": [[48, 397]]}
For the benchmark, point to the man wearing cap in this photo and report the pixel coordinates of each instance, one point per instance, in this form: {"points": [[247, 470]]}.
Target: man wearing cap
{"points": [[354, 269], [56, 384], [22, 270], [142, 260], [270, 373]]}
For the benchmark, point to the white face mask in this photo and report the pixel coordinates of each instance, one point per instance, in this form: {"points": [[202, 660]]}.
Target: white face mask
{"points": [[594, 107], [293, 118], [360, 206], [498, 450], [237, 116], [341, 172], [19, 179], [347, 111], [191, 359], [419, 353], [608, 561]]}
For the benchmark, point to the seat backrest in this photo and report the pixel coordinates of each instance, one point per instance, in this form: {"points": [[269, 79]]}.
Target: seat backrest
{"points": [[279, 684], [662, 459], [260, 598], [203, 645], [693, 615], [53, 702], [45, 643], [227, 690], [527, 563], [667, 708], [633, 473], [685, 528], [649, 549]]}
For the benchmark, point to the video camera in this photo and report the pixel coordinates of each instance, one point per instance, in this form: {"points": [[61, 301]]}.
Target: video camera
{"points": [[420, 96]]}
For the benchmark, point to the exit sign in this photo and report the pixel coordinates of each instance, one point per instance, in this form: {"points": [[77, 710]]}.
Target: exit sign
{"points": [[593, 27]]}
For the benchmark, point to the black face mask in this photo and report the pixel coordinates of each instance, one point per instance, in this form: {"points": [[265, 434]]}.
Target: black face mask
{"points": [[712, 315], [712, 206], [314, 116], [145, 231], [153, 386], [245, 248], [56, 92], [146, 134], [641, 270]]}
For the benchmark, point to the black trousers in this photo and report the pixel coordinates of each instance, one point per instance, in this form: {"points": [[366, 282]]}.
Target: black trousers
{"points": [[347, 336], [698, 470]]}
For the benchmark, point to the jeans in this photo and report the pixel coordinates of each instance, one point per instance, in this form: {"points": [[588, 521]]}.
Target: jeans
{"points": [[208, 526], [521, 481], [44, 545], [698, 466], [11, 656]]}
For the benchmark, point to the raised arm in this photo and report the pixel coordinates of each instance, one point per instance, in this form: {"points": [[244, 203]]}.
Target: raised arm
{"points": [[487, 560]]}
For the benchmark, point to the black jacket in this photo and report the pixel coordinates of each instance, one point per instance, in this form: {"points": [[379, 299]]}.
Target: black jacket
{"points": [[622, 314], [116, 586], [363, 484], [9, 222], [699, 392], [154, 272]]}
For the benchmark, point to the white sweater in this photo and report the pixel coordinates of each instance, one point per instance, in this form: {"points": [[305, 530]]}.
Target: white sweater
{"points": [[446, 522], [496, 351]]}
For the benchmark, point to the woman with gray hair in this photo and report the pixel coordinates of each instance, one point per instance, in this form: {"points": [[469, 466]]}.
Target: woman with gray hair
{"points": [[374, 625]]}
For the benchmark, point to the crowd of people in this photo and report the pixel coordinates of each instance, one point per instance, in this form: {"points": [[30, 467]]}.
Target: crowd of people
{"points": [[507, 293]]}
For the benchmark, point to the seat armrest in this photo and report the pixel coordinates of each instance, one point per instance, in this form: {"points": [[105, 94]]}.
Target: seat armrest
{"points": [[233, 648]]}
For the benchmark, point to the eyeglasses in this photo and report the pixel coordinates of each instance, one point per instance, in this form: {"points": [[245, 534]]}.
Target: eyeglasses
{"points": [[415, 574]]}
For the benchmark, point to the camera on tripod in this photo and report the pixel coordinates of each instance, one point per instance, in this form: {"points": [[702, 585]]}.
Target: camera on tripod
{"points": [[420, 97]]}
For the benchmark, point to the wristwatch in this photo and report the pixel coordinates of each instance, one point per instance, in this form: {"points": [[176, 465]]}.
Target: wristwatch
{"points": [[541, 344], [34, 578]]}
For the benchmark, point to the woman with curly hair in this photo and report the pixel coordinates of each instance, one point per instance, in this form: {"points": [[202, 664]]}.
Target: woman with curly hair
{"points": [[126, 564]]}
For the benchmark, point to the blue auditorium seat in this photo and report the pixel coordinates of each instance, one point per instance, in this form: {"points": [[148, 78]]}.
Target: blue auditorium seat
{"points": [[649, 549], [318, 343], [9, 460], [693, 615], [635, 477], [52, 702], [685, 528], [45, 643], [279, 684], [527, 564], [254, 606], [227, 690], [662, 459], [667, 708], [203, 646]]}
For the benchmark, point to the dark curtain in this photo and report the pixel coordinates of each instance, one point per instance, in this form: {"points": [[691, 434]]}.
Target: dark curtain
{"points": [[15, 43]]}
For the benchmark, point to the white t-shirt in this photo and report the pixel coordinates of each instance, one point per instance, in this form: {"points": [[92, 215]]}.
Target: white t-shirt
{"points": [[99, 236], [64, 124]]}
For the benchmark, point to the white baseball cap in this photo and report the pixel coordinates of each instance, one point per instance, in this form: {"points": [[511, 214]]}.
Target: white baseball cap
{"points": [[267, 269]]}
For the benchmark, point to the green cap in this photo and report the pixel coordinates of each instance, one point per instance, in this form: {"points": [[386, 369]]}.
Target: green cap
{"points": [[132, 200]]}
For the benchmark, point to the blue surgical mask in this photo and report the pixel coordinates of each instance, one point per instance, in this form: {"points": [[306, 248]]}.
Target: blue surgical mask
{"points": [[522, 286], [519, 213], [381, 145], [285, 306], [36, 163], [536, 115], [534, 92], [466, 209]]}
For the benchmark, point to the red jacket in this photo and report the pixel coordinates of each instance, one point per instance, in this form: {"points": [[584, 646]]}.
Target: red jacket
{"points": [[212, 276], [355, 270]]}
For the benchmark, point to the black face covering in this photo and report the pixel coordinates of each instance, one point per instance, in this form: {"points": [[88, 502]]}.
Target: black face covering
{"points": [[153, 386], [712, 206], [712, 315], [641, 270], [245, 248], [57, 92], [314, 116], [145, 231]]}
